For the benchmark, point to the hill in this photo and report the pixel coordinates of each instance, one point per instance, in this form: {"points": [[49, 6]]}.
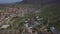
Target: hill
{"points": [[41, 1]]}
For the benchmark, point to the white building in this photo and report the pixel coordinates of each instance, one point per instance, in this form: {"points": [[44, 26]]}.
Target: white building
{"points": [[4, 26]]}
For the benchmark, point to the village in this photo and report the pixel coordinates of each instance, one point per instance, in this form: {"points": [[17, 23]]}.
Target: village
{"points": [[9, 13], [32, 25]]}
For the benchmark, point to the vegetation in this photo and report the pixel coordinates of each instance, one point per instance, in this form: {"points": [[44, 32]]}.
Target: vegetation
{"points": [[25, 5], [49, 12], [52, 12]]}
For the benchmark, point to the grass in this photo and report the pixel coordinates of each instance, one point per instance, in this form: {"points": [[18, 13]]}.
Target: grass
{"points": [[26, 5], [52, 12]]}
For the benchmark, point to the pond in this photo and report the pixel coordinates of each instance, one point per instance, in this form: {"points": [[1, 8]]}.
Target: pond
{"points": [[9, 1]]}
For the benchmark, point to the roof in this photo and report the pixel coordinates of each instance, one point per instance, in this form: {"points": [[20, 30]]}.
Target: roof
{"points": [[5, 26]]}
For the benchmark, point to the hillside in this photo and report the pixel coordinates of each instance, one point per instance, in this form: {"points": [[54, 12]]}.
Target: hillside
{"points": [[41, 1], [53, 13]]}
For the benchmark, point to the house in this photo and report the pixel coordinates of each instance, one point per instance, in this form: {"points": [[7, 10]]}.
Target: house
{"points": [[4, 26], [10, 32]]}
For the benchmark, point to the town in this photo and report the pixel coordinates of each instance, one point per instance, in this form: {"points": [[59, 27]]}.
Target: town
{"points": [[24, 20]]}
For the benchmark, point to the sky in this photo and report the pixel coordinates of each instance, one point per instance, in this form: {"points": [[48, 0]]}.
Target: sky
{"points": [[9, 1]]}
